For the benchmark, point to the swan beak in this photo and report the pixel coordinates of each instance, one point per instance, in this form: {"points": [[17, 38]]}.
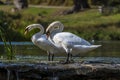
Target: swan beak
{"points": [[26, 31], [48, 34]]}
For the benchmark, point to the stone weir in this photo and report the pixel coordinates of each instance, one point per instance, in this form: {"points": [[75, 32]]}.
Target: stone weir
{"points": [[46, 70]]}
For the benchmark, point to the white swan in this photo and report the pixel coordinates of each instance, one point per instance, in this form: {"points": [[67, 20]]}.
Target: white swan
{"points": [[39, 39], [70, 42]]}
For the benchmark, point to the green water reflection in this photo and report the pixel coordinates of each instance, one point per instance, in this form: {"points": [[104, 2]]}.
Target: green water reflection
{"points": [[108, 49]]}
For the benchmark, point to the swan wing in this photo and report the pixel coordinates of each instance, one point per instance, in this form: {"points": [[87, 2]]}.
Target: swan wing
{"points": [[83, 48], [69, 38]]}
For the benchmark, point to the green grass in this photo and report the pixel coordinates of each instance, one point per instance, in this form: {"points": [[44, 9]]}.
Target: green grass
{"points": [[6, 7], [89, 24], [88, 18], [40, 11]]}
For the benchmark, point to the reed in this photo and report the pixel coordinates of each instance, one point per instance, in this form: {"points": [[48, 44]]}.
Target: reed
{"points": [[7, 44]]}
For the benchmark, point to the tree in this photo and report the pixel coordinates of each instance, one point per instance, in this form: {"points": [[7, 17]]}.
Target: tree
{"points": [[78, 6], [106, 2], [1, 2], [20, 4]]}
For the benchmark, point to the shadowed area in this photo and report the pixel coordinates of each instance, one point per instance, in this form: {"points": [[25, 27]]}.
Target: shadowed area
{"points": [[86, 69]]}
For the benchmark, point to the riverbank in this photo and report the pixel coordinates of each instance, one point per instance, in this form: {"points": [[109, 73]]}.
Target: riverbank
{"points": [[94, 69], [88, 24]]}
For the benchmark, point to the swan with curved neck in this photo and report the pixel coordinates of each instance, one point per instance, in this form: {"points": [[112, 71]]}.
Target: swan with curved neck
{"points": [[56, 25], [37, 35], [54, 28], [70, 42], [39, 39]]}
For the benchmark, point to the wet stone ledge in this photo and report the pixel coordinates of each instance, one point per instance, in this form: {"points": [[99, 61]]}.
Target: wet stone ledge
{"points": [[92, 70]]}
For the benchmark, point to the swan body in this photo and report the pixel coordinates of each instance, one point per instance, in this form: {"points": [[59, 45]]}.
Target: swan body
{"points": [[71, 43], [69, 38], [40, 39]]}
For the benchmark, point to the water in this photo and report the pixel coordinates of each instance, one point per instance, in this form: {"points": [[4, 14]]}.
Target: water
{"points": [[109, 52], [23, 49], [108, 49]]}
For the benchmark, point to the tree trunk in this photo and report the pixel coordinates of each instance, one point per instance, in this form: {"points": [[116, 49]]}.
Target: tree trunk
{"points": [[21, 4], [78, 6], [1, 2]]}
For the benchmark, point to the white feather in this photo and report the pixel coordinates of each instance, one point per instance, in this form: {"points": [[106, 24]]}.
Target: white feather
{"points": [[70, 42]]}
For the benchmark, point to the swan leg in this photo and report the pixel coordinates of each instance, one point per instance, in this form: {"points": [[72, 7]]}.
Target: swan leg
{"points": [[67, 59], [52, 57], [48, 55]]}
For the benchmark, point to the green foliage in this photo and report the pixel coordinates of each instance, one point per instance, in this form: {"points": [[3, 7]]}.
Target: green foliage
{"points": [[7, 44], [114, 2], [35, 1], [70, 2], [106, 2], [52, 2], [89, 24]]}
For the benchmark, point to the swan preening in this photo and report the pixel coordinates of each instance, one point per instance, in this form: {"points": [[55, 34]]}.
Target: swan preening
{"points": [[40, 39], [55, 41], [68, 41]]}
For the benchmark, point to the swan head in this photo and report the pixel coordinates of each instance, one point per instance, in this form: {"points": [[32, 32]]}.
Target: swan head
{"points": [[27, 29], [55, 26], [48, 34], [32, 26]]}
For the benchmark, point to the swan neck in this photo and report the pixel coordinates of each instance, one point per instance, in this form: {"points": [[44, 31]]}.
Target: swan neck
{"points": [[39, 27], [61, 27], [41, 30], [56, 26], [57, 46]]}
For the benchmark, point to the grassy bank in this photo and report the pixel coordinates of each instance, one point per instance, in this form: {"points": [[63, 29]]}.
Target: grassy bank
{"points": [[89, 24]]}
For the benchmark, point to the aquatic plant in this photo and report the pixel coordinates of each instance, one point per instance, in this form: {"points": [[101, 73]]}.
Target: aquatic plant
{"points": [[7, 44]]}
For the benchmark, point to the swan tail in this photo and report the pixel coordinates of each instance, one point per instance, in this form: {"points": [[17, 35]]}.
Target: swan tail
{"points": [[92, 47], [85, 48]]}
